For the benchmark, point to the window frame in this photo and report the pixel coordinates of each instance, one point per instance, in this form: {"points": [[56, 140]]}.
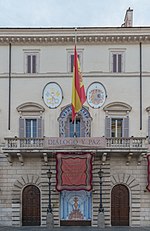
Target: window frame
{"points": [[23, 129], [125, 127], [32, 54], [122, 64], [70, 54], [85, 122]]}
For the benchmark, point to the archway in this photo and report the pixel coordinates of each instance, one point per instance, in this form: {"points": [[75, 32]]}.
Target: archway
{"points": [[31, 206], [120, 205]]}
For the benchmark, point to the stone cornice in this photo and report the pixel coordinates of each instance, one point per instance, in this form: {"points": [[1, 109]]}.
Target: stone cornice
{"points": [[62, 36]]}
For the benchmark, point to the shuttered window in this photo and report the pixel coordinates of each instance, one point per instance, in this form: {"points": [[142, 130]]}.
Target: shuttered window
{"points": [[31, 63], [30, 128], [117, 127], [72, 62], [117, 62]]}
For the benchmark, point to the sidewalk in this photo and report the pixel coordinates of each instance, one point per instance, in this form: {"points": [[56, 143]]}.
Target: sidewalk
{"points": [[77, 228]]}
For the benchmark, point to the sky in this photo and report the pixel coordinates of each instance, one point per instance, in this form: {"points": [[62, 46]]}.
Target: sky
{"points": [[72, 13]]}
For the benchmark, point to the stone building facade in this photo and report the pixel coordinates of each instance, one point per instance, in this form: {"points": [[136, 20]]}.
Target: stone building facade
{"points": [[113, 125]]}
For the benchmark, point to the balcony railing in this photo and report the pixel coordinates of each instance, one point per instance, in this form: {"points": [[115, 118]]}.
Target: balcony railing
{"points": [[82, 142], [133, 142], [15, 143]]}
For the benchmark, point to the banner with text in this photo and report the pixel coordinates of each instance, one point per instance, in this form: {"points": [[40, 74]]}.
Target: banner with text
{"points": [[74, 171]]}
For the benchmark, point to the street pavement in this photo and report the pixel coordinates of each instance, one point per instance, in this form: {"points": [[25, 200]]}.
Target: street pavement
{"points": [[75, 228]]}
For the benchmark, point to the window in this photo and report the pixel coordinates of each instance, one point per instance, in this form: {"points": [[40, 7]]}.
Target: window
{"points": [[31, 62], [117, 120], [117, 61], [71, 60], [30, 128], [83, 123], [117, 127], [77, 127], [30, 121]]}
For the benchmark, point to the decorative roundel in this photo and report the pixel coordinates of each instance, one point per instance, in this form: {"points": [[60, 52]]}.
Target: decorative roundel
{"points": [[96, 95], [52, 95]]}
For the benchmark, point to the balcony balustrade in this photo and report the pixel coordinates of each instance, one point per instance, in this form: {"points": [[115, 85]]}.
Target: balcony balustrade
{"points": [[81, 142]]}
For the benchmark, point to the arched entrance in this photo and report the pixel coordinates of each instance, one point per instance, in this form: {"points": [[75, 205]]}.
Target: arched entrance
{"points": [[31, 206], [120, 206]]}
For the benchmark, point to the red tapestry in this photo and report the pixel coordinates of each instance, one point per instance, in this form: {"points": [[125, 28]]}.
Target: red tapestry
{"points": [[148, 173], [74, 171]]}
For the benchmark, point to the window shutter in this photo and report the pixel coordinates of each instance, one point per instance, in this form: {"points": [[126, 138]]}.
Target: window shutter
{"points": [[82, 128], [39, 128], [114, 57], [108, 127], [119, 63], [34, 67], [21, 128], [126, 127], [28, 63], [71, 62], [149, 128]]}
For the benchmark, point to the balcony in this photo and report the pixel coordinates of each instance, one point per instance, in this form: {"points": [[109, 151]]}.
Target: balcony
{"points": [[43, 147], [81, 143]]}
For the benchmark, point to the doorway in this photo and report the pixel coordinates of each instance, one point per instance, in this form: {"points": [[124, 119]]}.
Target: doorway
{"points": [[120, 206], [31, 206]]}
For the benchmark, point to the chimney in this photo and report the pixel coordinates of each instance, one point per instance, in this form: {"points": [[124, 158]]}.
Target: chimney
{"points": [[128, 20]]}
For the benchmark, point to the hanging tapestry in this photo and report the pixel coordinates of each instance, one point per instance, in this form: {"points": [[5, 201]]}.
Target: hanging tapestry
{"points": [[74, 171], [148, 173]]}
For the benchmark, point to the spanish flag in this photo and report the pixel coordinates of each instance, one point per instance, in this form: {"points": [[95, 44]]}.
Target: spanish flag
{"points": [[78, 92]]}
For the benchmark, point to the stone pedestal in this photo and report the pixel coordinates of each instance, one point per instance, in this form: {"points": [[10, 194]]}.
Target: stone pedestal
{"points": [[50, 221], [101, 220]]}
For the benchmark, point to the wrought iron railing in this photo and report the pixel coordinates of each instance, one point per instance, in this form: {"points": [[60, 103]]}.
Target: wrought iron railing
{"points": [[95, 142]]}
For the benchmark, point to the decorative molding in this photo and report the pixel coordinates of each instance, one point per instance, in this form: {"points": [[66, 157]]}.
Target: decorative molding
{"points": [[85, 35], [117, 107], [129, 157], [126, 179], [9, 158], [20, 157], [104, 158], [45, 158], [30, 107]]}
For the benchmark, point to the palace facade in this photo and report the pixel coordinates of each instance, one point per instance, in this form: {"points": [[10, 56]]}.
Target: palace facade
{"points": [[112, 129]]}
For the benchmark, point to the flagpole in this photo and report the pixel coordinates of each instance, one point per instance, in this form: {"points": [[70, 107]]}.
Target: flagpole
{"points": [[74, 127]]}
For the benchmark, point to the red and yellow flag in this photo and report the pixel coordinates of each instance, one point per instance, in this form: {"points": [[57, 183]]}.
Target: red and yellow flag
{"points": [[78, 92]]}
